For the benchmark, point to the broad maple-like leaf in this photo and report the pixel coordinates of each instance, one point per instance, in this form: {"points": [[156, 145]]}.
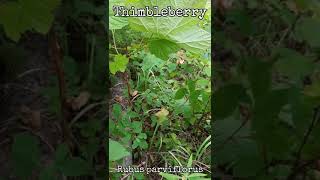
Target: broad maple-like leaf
{"points": [[184, 31], [116, 22], [23, 15]]}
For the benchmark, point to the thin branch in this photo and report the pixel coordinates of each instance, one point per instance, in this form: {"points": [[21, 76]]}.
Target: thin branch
{"points": [[307, 135], [296, 167], [86, 109], [56, 55], [114, 41], [289, 29], [30, 71], [233, 134]]}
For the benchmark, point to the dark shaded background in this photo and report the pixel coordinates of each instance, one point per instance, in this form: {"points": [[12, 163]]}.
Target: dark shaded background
{"points": [[53, 108], [266, 81]]}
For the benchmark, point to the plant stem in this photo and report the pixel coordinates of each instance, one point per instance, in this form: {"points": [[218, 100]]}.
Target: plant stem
{"points": [[92, 58], [114, 41], [154, 133]]}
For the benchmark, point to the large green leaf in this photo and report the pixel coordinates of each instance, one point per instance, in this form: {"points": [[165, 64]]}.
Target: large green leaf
{"points": [[162, 48], [116, 151], [259, 75], [23, 15], [25, 155], [249, 162], [48, 173], [182, 31], [75, 166], [116, 22], [293, 64], [308, 30], [266, 122], [226, 99]]}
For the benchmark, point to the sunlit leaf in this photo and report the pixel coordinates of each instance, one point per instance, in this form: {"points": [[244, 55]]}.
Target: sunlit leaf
{"points": [[119, 64], [182, 31]]}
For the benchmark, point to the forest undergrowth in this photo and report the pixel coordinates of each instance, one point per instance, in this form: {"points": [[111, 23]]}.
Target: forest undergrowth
{"points": [[162, 115]]}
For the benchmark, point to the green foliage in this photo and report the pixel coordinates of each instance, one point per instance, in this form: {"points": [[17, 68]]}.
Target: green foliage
{"points": [[173, 31], [119, 64], [186, 176], [170, 90], [116, 151], [265, 95], [116, 22], [307, 30], [26, 159], [25, 155], [81, 74], [293, 65], [75, 166], [162, 48], [20, 16]]}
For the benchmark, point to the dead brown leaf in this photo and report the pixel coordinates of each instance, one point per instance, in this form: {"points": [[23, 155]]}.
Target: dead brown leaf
{"points": [[134, 93], [118, 99], [181, 57], [293, 6], [80, 101], [31, 118]]}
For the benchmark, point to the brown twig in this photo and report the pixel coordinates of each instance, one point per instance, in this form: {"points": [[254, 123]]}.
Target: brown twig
{"points": [[55, 53], [86, 109]]}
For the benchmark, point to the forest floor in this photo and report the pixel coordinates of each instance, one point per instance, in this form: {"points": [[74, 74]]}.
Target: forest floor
{"points": [[24, 108]]}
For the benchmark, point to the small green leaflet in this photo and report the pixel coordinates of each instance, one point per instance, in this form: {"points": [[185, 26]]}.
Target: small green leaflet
{"points": [[197, 175], [23, 15], [116, 151], [119, 64], [181, 93], [293, 64], [308, 30], [169, 176]]}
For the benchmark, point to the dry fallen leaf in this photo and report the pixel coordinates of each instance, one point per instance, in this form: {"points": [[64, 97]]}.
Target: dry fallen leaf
{"points": [[31, 118], [134, 93], [80, 101], [293, 6], [162, 115], [118, 99], [181, 57]]}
